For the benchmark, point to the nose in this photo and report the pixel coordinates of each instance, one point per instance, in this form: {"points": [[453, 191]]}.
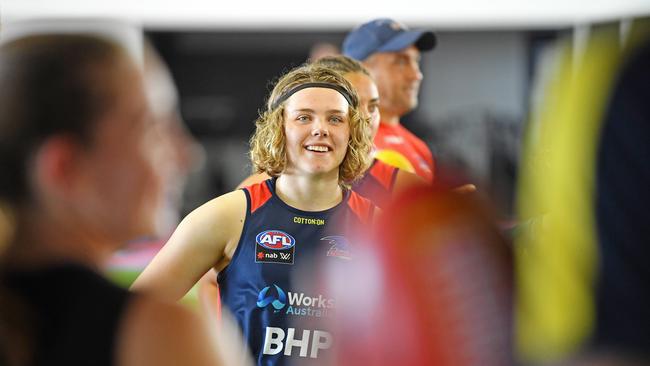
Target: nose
{"points": [[320, 129], [414, 71]]}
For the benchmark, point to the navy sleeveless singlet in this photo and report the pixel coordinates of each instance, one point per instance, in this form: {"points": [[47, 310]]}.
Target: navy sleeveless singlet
{"points": [[268, 285]]}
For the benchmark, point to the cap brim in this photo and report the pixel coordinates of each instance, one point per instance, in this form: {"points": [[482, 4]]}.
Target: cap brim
{"points": [[423, 40]]}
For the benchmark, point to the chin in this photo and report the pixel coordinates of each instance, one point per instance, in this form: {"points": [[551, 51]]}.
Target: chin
{"points": [[317, 170]]}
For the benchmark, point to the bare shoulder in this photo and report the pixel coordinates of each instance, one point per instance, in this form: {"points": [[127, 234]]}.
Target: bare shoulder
{"points": [[221, 217], [231, 206], [159, 333]]}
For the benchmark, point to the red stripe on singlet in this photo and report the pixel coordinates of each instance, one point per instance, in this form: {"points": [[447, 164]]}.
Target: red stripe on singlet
{"points": [[259, 193], [361, 207]]}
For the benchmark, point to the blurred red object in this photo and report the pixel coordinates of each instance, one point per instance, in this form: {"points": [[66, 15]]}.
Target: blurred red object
{"points": [[433, 288]]}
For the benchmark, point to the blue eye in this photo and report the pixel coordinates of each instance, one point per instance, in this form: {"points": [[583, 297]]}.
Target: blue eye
{"points": [[303, 118]]}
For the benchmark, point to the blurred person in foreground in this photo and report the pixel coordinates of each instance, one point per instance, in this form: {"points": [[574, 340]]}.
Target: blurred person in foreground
{"points": [[80, 165], [186, 153], [432, 287]]}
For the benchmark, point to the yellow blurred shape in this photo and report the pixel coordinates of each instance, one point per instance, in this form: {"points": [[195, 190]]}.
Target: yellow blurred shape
{"points": [[392, 157], [556, 266]]}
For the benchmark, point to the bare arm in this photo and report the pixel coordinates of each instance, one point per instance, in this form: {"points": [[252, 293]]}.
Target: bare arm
{"points": [[209, 298], [405, 180], [206, 238]]}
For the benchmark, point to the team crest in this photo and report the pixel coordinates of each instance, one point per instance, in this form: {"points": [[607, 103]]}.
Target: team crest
{"points": [[274, 246], [339, 247]]}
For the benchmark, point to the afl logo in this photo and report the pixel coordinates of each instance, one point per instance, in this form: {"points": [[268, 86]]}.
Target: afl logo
{"points": [[275, 240]]}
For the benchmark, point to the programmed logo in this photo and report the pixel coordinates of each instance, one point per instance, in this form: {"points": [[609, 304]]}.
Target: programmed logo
{"points": [[296, 303], [274, 246], [278, 302], [275, 239], [340, 247]]}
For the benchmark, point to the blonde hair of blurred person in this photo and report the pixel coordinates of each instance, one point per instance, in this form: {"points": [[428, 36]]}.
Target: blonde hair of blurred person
{"points": [[80, 159]]}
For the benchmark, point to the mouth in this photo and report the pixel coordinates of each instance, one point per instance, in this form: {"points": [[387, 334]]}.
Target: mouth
{"points": [[413, 89], [318, 148]]}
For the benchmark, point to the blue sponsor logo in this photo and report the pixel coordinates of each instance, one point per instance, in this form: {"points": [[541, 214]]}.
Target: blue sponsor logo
{"points": [[275, 240], [278, 302]]}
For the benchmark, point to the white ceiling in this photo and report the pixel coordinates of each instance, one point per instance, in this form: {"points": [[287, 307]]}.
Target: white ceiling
{"points": [[332, 14]]}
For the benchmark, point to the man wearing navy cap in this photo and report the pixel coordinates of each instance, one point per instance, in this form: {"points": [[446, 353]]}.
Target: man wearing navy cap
{"points": [[391, 52]]}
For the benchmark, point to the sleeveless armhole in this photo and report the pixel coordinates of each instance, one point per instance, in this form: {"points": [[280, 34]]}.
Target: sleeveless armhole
{"points": [[256, 196]]}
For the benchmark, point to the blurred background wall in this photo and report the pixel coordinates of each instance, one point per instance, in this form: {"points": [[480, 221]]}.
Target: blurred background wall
{"points": [[473, 100]]}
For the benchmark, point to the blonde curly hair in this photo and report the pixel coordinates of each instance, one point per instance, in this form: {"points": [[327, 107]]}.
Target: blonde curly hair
{"points": [[268, 144]]}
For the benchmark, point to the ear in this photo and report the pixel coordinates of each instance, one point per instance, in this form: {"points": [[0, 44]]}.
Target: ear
{"points": [[55, 165]]}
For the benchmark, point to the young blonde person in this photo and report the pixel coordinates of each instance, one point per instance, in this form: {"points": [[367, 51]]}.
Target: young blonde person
{"points": [[312, 140]]}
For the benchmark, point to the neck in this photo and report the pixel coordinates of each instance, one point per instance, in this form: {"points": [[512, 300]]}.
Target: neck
{"points": [[41, 240], [309, 193], [389, 118]]}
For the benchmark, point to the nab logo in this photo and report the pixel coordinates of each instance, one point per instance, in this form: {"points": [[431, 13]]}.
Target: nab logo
{"points": [[275, 239], [274, 246], [278, 302]]}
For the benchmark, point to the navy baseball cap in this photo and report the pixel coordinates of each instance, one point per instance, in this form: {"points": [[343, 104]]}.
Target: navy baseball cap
{"points": [[385, 35]]}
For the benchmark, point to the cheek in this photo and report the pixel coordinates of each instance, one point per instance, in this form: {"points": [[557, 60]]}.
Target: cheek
{"points": [[289, 142], [142, 175], [294, 137]]}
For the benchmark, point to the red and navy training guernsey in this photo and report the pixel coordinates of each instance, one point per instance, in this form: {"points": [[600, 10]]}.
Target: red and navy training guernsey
{"points": [[284, 315], [378, 183]]}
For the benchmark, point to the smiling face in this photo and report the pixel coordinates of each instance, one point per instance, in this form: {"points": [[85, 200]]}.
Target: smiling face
{"points": [[317, 130]]}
